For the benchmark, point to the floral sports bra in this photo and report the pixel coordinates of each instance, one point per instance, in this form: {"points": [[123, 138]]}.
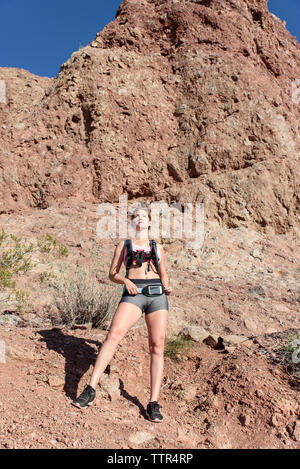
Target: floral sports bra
{"points": [[136, 247]]}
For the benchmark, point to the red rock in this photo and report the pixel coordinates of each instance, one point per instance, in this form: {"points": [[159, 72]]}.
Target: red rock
{"points": [[203, 111], [245, 420], [276, 420], [56, 381], [199, 96], [296, 431]]}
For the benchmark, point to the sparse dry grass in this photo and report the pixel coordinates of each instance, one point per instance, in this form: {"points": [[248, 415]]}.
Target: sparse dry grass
{"points": [[80, 298]]}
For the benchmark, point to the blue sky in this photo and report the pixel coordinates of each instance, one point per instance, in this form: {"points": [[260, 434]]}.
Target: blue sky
{"points": [[40, 35]]}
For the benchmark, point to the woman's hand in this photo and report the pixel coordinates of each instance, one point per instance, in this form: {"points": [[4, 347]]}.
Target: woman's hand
{"points": [[168, 290], [131, 287]]}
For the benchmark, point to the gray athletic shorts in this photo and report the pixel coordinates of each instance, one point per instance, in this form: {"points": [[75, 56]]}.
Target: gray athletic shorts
{"points": [[147, 304]]}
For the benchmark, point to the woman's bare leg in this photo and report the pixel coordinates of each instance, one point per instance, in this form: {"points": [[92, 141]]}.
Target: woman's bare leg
{"points": [[125, 317], [157, 325]]}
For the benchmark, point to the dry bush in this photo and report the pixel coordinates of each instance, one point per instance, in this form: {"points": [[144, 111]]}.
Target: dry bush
{"points": [[80, 298]]}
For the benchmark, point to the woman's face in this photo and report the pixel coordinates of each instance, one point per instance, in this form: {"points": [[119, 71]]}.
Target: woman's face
{"points": [[141, 219]]}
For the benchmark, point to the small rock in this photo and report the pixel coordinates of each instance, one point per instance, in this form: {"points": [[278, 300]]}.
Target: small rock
{"points": [[55, 381], [174, 171], [111, 385], [198, 165], [256, 253], [61, 439], [19, 126], [213, 340], [194, 332], [275, 420], [296, 431], [181, 435], [180, 109], [188, 393], [10, 319], [8, 444], [257, 290], [139, 438], [230, 348], [287, 407], [16, 353], [271, 330], [251, 324], [244, 419], [233, 339]]}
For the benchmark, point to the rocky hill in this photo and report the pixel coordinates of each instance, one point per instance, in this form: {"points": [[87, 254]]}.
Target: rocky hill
{"points": [[181, 101], [175, 100]]}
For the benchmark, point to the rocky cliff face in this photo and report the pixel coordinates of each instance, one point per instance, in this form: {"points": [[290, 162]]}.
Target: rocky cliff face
{"points": [[177, 100]]}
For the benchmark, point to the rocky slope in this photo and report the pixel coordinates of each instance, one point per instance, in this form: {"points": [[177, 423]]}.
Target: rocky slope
{"points": [[240, 283], [210, 399]]}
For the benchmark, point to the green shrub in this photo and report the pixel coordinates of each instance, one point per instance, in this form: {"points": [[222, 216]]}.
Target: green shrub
{"points": [[47, 243], [178, 344], [292, 343], [46, 276], [15, 259], [287, 351]]}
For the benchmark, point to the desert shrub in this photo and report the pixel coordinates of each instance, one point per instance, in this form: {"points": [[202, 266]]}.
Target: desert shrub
{"points": [[291, 348], [47, 243], [16, 260], [284, 348], [80, 298], [44, 276]]}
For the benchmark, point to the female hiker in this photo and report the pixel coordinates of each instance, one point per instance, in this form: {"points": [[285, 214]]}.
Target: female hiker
{"points": [[146, 285]]}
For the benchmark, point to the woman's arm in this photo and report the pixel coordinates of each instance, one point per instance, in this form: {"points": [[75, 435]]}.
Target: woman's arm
{"points": [[116, 263]]}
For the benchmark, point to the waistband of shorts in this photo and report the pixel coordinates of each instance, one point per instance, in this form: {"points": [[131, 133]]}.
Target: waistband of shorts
{"points": [[144, 281]]}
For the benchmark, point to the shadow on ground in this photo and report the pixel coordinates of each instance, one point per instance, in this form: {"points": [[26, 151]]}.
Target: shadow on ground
{"points": [[78, 353]]}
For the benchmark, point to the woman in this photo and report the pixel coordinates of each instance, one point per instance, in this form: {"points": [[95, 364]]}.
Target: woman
{"points": [[133, 303]]}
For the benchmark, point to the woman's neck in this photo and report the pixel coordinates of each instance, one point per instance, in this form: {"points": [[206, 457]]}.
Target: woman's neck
{"points": [[145, 240], [141, 236]]}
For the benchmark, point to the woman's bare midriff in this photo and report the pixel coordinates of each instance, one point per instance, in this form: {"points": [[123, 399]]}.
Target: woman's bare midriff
{"points": [[141, 273]]}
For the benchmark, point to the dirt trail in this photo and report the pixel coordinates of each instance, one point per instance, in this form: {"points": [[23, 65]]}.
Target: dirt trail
{"points": [[210, 399]]}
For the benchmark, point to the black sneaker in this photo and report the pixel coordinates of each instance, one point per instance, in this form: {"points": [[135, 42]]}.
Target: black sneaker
{"points": [[86, 397], [153, 412]]}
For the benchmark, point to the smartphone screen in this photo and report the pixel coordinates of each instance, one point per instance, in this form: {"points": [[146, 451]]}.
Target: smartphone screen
{"points": [[155, 289]]}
